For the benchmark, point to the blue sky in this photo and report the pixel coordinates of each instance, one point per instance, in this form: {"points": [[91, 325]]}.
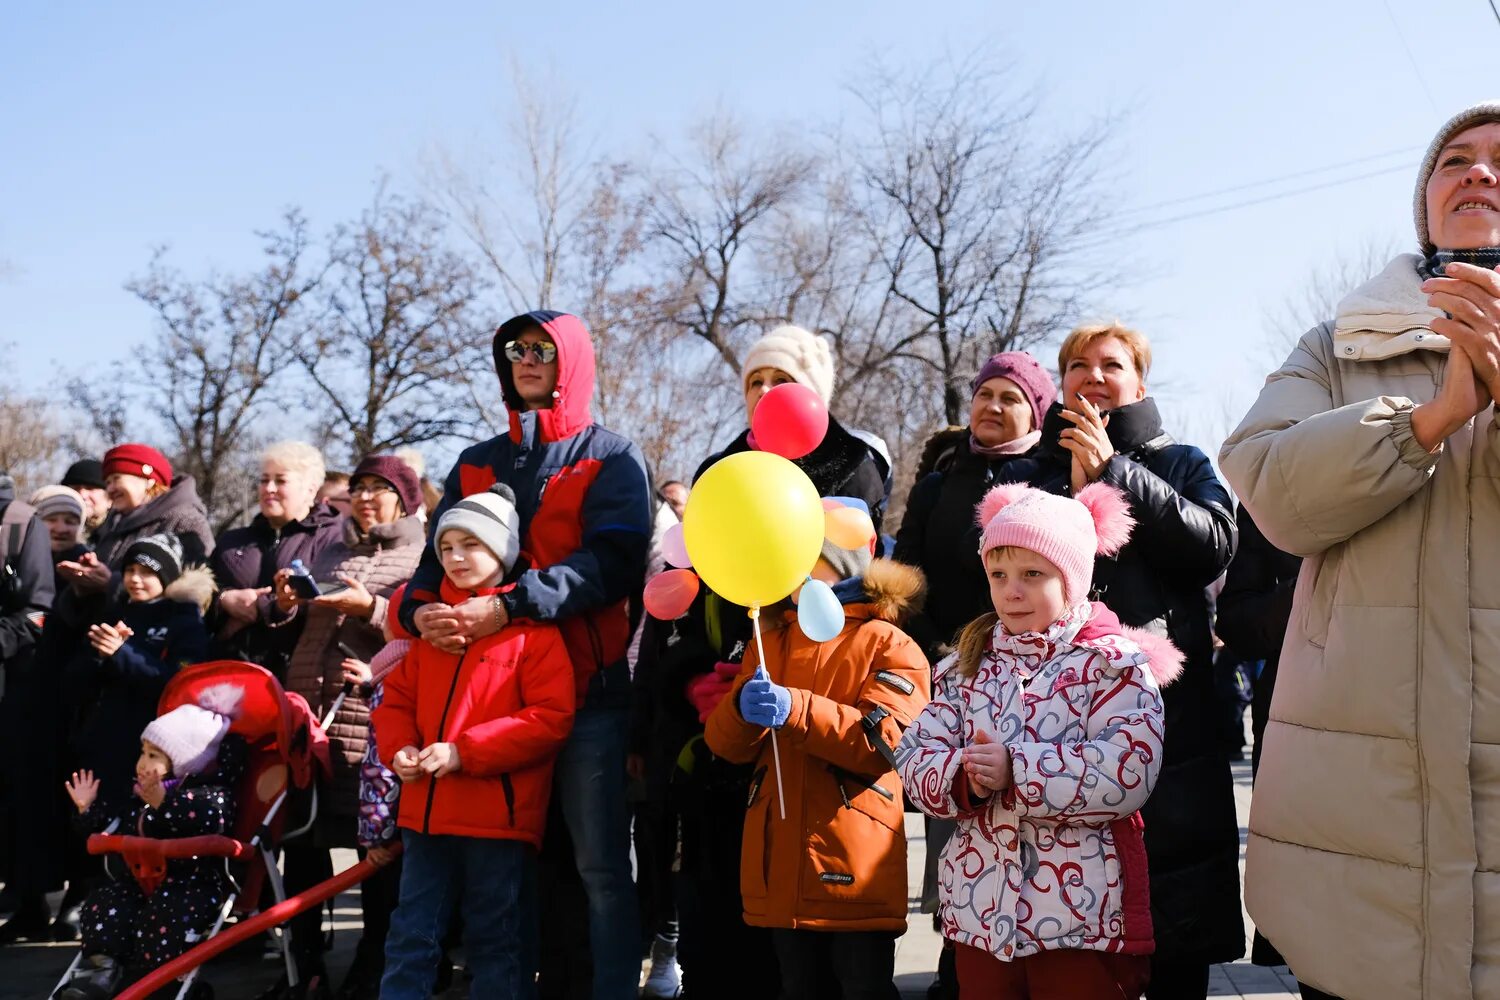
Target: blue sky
{"points": [[128, 126]]}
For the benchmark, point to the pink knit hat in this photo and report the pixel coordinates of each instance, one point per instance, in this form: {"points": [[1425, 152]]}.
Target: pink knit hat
{"points": [[190, 734], [1066, 531]]}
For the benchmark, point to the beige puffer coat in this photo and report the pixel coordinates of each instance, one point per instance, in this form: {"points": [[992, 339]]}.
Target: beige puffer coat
{"points": [[382, 561], [1374, 852]]}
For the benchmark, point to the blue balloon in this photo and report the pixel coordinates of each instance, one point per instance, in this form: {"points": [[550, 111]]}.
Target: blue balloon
{"points": [[819, 613]]}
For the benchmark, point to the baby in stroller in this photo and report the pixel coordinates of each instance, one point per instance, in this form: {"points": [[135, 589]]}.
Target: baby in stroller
{"points": [[185, 779]]}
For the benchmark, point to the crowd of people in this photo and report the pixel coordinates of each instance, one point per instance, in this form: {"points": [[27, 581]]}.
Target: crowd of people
{"points": [[1034, 660]]}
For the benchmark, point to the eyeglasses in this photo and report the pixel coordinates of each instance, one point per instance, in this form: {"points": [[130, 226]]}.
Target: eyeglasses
{"points": [[544, 351], [369, 490]]}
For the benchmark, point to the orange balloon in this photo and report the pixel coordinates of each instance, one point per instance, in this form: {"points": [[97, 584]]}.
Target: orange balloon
{"points": [[848, 528]]}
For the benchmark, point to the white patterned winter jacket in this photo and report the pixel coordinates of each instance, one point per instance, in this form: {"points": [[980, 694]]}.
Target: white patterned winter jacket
{"points": [[1056, 861]]}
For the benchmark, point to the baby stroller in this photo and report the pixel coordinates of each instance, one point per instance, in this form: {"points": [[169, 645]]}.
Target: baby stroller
{"points": [[285, 745]]}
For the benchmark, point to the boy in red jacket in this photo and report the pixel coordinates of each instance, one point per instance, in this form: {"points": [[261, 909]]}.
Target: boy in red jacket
{"points": [[473, 735]]}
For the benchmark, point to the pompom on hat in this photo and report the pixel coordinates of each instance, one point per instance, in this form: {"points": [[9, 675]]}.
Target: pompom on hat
{"points": [[190, 734], [490, 517], [800, 353], [1066, 531], [1477, 114]]}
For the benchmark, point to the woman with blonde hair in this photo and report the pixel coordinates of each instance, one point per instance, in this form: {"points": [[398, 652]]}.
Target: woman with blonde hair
{"points": [[291, 524], [1105, 428]]}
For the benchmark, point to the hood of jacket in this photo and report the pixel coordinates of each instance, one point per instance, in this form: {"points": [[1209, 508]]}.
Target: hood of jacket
{"points": [[570, 411], [889, 591], [1387, 316], [181, 498], [196, 586]]}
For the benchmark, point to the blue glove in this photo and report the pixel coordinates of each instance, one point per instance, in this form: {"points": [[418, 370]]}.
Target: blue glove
{"points": [[763, 703]]}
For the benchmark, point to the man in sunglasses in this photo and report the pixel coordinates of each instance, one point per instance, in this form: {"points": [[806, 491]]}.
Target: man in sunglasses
{"points": [[584, 502]]}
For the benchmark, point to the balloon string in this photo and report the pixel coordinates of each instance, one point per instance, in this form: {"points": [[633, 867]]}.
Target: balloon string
{"points": [[775, 750]]}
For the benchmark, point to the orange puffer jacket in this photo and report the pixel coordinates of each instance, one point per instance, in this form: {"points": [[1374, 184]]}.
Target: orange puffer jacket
{"points": [[838, 860], [507, 703]]}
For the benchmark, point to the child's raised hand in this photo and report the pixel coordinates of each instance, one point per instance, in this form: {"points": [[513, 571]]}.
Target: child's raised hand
{"points": [[107, 639], [987, 764], [438, 759], [83, 789], [404, 764], [356, 671]]}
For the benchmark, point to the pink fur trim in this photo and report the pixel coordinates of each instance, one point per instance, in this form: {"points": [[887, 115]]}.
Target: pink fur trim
{"points": [[1111, 513], [997, 499], [1164, 659]]}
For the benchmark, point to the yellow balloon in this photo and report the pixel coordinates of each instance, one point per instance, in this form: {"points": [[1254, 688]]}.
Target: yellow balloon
{"points": [[753, 527]]}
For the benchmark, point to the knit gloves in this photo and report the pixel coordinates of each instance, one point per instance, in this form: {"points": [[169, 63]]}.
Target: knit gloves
{"points": [[705, 691], [764, 703]]}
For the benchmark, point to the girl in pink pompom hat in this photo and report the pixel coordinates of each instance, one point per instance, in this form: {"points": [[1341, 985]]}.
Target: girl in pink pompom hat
{"points": [[1043, 740]]}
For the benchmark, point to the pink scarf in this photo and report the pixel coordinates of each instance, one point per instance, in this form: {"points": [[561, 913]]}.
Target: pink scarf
{"points": [[1019, 446]]}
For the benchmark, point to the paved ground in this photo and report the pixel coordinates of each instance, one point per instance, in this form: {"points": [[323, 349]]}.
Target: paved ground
{"points": [[31, 970]]}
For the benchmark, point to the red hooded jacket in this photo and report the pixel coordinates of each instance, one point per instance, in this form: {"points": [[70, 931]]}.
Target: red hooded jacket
{"points": [[507, 703]]}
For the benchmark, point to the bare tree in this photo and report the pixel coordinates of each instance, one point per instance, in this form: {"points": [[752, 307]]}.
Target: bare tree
{"points": [[981, 220], [388, 339], [32, 449], [1316, 299], [209, 373], [711, 214]]}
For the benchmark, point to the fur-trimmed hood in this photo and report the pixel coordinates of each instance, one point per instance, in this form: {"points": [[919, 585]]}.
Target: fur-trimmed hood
{"points": [[892, 591], [196, 585]]}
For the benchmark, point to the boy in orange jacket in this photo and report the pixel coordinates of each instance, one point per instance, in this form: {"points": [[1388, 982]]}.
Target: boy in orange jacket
{"points": [[831, 876], [473, 737]]}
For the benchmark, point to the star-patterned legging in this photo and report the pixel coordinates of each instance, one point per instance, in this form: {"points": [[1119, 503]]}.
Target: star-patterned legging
{"points": [[121, 921]]}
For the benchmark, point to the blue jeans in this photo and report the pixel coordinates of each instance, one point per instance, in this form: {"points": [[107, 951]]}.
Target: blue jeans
{"points": [[495, 881], [589, 780]]}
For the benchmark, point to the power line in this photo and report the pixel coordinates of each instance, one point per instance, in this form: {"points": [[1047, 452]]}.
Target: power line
{"points": [[1495, 10], [1409, 57], [1235, 189]]}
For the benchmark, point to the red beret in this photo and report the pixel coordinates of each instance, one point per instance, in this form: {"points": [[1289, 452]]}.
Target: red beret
{"points": [[138, 460]]}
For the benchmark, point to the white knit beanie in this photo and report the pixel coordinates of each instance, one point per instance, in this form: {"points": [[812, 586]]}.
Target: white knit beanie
{"points": [[1476, 114], [190, 734], [801, 354], [490, 517]]}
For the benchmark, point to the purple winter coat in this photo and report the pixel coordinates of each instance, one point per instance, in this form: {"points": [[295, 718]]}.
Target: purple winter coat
{"points": [[249, 557]]}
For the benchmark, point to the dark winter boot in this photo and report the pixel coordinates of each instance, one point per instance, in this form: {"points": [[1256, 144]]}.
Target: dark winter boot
{"points": [[96, 978]]}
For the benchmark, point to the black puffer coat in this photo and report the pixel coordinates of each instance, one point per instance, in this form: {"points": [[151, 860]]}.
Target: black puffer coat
{"points": [[1183, 539], [248, 558], [940, 536], [1254, 608]]}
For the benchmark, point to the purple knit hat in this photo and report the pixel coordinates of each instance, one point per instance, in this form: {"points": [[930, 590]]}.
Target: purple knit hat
{"points": [[396, 472], [1034, 381]]}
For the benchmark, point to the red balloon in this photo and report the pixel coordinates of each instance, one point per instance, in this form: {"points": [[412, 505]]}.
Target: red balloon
{"points": [[668, 595], [790, 420]]}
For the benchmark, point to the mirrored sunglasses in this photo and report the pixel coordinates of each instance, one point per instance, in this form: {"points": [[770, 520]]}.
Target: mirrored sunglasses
{"points": [[544, 351]]}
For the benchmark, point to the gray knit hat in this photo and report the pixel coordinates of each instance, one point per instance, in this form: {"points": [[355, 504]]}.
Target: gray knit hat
{"points": [[1477, 114], [847, 563], [51, 500], [490, 517]]}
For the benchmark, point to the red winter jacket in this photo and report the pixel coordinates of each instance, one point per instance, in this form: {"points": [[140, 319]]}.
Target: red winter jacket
{"points": [[507, 703]]}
